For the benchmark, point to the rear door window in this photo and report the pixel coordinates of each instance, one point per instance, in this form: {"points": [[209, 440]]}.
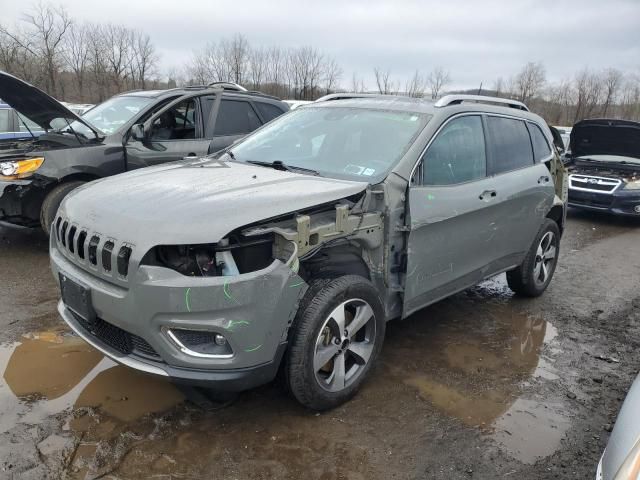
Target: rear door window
{"points": [[457, 154], [268, 111], [510, 144], [236, 117], [541, 148]]}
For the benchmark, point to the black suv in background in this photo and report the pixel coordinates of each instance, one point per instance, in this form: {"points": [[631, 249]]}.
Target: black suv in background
{"points": [[128, 131]]}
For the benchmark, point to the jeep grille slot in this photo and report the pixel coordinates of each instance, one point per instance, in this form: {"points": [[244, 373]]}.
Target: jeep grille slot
{"points": [[72, 234], [93, 250], [58, 228], [107, 250], [82, 237], [124, 254], [63, 233]]}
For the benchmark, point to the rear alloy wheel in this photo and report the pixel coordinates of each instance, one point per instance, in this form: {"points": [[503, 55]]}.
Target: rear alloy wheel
{"points": [[336, 340], [532, 278]]}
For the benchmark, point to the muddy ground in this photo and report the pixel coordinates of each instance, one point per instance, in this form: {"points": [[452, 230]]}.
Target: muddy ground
{"points": [[482, 385]]}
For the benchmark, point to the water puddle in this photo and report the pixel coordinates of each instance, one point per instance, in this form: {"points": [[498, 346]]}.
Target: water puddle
{"points": [[47, 373], [469, 357]]}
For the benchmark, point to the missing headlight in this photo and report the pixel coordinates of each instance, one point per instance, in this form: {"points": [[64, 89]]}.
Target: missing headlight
{"points": [[229, 257]]}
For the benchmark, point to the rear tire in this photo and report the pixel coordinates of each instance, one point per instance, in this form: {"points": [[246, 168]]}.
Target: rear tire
{"points": [[53, 200], [335, 342], [532, 278]]}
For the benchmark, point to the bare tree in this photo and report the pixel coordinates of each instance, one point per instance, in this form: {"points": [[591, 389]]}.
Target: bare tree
{"points": [[589, 88], [438, 79], [357, 84], [383, 81], [529, 81], [145, 59], [258, 58], [612, 79], [332, 75], [77, 54], [499, 87], [235, 54], [416, 85], [46, 27]]}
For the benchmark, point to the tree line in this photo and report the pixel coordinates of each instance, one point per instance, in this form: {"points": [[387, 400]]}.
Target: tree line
{"points": [[89, 62]]}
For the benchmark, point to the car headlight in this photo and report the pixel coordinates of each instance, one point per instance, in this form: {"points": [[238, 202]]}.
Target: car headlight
{"points": [[630, 468], [20, 168], [633, 185]]}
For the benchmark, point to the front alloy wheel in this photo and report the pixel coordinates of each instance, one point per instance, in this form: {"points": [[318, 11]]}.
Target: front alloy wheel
{"points": [[334, 342], [344, 345]]}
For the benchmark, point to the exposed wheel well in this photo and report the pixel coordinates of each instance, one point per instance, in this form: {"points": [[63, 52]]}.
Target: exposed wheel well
{"points": [[557, 215], [334, 262]]}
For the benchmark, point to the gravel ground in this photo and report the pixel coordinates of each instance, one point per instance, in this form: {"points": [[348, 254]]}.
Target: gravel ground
{"points": [[481, 385]]}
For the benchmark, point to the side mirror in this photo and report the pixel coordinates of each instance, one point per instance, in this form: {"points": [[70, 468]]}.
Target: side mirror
{"points": [[137, 132]]}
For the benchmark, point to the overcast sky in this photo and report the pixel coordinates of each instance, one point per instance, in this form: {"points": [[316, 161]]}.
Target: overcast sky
{"points": [[475, 40]]}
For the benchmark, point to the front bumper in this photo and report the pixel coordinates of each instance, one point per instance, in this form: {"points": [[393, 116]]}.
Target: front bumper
{"points": [[620, 202], [253, 311], [18, 203]]}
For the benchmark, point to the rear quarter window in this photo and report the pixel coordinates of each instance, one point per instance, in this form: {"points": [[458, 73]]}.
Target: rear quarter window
{"points": [[268, 111], [510, 144], [236, 117], [541, 148]]}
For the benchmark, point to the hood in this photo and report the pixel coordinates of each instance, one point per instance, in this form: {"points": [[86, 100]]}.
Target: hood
{"points": [[605, 137], [34, 104], [195, 202]]}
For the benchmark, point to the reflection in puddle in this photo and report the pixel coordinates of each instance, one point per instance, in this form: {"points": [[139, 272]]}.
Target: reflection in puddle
{"points": [[470, 359], [49, 372], [531, 429]]}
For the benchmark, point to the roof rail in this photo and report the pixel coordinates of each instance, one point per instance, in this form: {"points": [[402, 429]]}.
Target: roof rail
{"points": [[347, 96], [228, 86], [458, 99]]}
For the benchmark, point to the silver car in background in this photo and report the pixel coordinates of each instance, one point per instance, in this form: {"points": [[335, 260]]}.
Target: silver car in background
{"points": [[621, 458]]}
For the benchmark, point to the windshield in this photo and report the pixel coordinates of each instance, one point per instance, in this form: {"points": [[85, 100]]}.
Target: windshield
{"points": [[109, 116], [338, 142]]}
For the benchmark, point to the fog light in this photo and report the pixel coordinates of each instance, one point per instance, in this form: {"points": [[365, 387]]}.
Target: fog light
{"points": [[200, 343], [637, 208]]}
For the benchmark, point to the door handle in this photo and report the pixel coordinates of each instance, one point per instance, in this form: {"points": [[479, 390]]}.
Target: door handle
{"points": [[487, 195], [544, 178]]}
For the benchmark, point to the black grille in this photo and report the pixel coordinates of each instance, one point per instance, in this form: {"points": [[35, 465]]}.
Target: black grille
{"points": [[117, 338], [74, 240], [590, 200]]}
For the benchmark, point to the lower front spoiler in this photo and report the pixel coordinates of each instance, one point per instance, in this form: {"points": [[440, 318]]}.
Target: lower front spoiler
{"points": [[232, 380]]}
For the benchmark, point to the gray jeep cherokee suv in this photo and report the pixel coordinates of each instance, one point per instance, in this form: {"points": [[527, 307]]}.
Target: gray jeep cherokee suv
{"points": [[292, 248]]}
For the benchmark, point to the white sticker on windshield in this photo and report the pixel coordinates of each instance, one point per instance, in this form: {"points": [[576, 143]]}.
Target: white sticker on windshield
{"points": [[368, 172], [358, 170]]}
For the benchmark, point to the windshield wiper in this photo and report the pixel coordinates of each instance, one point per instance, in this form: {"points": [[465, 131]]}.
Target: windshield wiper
{"points": [[279, 165]]}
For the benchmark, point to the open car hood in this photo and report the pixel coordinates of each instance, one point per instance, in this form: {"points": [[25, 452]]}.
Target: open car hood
{"points": [[36, 105], [605, 137]]}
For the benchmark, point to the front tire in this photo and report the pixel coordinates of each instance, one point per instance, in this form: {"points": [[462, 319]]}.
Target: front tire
{"points": [[532, 278], [336, 339], [52, 201]]}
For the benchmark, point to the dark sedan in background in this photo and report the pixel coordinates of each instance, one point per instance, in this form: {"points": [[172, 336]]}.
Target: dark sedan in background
{"points": [[604, 166]]}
